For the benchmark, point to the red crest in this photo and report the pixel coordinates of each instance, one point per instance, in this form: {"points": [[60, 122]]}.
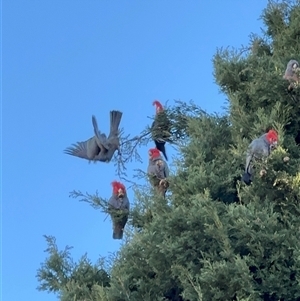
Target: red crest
{"points": [[272, 136], [158, 106], [116, 186], [155, 153]]}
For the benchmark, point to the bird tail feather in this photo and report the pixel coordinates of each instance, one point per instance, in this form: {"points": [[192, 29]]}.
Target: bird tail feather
{"points": [[161, 146], [246, 178], [118, 231], [115, 119]]}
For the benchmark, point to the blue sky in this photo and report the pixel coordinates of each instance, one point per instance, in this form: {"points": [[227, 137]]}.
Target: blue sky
{"points": [[62, 62]]}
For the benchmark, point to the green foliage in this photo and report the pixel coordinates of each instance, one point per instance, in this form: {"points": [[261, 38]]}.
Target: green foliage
{"points": [[72, 281], [254, 83], [203, 163], [213, 237]]}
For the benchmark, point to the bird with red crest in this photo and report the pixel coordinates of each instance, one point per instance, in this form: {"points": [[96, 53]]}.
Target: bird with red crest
{"points": [[259, 148], [158, 171], [161, 128], [118, 205]]}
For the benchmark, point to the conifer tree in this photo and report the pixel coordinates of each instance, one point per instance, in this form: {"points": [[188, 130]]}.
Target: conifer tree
{"points": [[71, 280], [214, 238]]}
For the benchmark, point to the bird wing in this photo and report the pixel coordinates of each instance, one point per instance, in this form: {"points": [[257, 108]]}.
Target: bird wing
{"points": [[161, 127], [166, 171], [112, 202], [151, 168], [117, 231], [250, 155], [257, 149], [248, 161], [126, 204], [119, 215], [86, 149], [119, 225], [101, 138]]}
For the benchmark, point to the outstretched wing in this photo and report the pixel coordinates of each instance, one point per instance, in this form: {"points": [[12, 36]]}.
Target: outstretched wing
{"points": [[86, 149]]}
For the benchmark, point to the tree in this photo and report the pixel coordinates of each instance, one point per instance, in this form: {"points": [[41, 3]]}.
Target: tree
{"points": [[214, 238], [70, 280]]}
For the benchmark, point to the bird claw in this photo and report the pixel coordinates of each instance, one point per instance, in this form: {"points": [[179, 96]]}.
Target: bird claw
{"points": [[163, 182]]}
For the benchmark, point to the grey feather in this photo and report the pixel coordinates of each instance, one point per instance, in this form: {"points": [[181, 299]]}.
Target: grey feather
{"points": [[158, 170], [160, 131], [291, 72], [119, 203], [100, 147], [100, 138], [257, 149], [119, 211]]}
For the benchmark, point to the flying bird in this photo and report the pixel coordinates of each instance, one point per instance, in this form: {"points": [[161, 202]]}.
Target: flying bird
{"points": [[118, 205], [258, 148], [160, 128], [99, 147], [292, 73], [158, 171]]}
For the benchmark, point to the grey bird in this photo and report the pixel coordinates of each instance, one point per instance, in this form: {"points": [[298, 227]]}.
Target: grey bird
{"points": [[259, 148], [158, 171], [99, 147], [161, 128], [118, 207], [291, 73]]}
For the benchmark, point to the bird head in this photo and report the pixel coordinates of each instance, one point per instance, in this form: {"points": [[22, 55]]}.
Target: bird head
{"points": [[291, 72], [158, 106], [272, 138], [293, 64], [118, 189], [154, 153]]}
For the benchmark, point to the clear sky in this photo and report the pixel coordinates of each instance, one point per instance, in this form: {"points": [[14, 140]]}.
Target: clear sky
{"points": [[62, 62]]}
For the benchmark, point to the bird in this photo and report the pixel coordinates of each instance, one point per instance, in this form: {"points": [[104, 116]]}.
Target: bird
{"points": [[99, 147], [118, 205], [292, 73], [158, 171], [258, 148], [160, 128]]}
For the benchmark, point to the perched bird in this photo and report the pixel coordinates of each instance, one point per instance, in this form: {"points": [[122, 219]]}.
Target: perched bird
{"points": [[158, 171], [291, 73], [118, 207], [258, 148], [160, 128], [99, 147]]}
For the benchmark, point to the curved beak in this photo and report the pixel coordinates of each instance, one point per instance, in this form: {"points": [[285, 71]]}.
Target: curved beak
{"points": [[274, 144], [120, 193]]}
